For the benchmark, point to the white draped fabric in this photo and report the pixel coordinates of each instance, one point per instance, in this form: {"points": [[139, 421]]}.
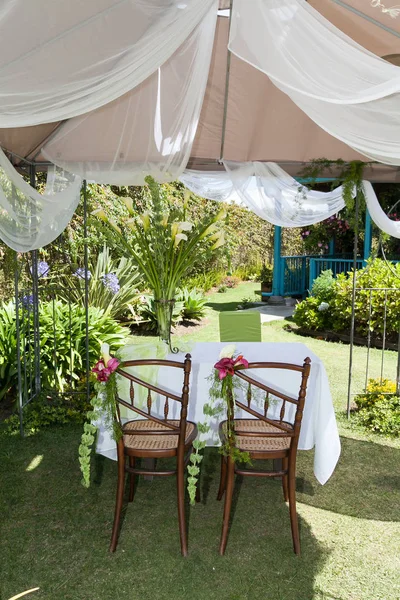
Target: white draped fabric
{"points": [[30, 220], [377, 214], [68, 58], [148, 131], [268, 191], [348, 91]]}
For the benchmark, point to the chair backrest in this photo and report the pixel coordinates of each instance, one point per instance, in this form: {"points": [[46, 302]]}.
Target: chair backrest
{"points": [[282, 427], [240, 326], [183, 399]]}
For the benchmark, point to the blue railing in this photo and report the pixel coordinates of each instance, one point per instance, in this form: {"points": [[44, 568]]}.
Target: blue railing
{"points": [[294, 275], [336, 265]]}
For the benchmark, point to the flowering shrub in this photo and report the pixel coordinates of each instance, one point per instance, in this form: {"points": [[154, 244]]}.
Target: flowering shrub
{"points": [[316, 238], [313, 314], [379, 407]]}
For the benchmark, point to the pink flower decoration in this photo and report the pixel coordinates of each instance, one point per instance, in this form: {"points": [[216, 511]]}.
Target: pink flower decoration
{"points": [[241, 362], [225, 367], [112, 365], [102, 371]]}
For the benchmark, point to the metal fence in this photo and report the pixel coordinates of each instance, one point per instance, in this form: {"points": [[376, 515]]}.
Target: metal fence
{"points": [[376, 339]]}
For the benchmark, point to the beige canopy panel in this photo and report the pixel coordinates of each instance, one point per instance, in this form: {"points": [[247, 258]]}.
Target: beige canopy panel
{"points": [[244, 116]]}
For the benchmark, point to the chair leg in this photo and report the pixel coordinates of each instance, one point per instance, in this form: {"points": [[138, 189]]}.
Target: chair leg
{"points": [[230, 479], [292, 509], [285, 462], [180, 479], [222, 479], [131, 478], [119, 498]]}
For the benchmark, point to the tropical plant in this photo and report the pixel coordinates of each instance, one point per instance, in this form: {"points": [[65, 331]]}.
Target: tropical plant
{"points": [[113, 285], [193, 304], [147, 315], [8, 348], [165, 246], [62, 343], [266, 274]]}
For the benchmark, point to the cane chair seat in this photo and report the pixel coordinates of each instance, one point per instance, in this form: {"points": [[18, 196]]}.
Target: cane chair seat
{"points": [[253, 443], [153, 441]]}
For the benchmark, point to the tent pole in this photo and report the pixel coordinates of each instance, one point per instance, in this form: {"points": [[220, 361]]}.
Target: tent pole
{"points": [[366, 17], [228, 69], [353, 301]]}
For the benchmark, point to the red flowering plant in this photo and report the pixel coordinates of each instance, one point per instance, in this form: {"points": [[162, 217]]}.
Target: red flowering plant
{"points": [[316, 237], [103, 405]]}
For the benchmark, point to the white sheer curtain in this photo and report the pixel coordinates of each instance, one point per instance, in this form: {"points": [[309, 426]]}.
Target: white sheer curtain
{"points": [[62, 59], [377, 214], [348, 91], [30, 220], [148, 131], [268, 191]]}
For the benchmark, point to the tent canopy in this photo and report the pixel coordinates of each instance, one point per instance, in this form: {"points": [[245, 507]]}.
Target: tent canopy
{"points": [[244, 117]]}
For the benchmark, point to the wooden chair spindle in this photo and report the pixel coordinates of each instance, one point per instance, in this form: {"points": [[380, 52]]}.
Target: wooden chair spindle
{"points": [[266, 404], [249, 395], [149, 402], [166, 408], [132, 393], [282, 413]]}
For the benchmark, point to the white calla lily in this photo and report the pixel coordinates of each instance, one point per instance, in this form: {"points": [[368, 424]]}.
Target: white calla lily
{"points": [[129, 204], [105, 352], [178, 238], [185, 226], [228, 351]]}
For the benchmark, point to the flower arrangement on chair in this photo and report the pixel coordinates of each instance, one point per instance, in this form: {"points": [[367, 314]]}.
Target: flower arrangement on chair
{"points": [[222, 399], [103, 404]]}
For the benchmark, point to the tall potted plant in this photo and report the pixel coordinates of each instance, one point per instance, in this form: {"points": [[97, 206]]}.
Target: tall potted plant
{"points": [[164, 246], [266, 275]]}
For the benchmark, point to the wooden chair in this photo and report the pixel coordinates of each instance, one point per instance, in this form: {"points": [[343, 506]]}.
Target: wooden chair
{"points": [[154, 437], [264, 438]]}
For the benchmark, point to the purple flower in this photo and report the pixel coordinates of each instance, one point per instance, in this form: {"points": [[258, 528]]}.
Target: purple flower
{"points": [[27, 300], [111, 282], [42, 268], [83, 274], [307, 233], [319, 245]]}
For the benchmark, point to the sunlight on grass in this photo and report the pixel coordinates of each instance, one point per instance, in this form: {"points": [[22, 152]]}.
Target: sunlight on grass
{"points": [[35, 462], [24, 593]]}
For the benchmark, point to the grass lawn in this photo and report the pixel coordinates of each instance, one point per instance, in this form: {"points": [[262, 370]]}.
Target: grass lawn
{"points": [[55, 534]]}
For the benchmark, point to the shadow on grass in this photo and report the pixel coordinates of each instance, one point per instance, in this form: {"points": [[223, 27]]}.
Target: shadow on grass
{"points": [[65, 530], [365, 484], [223, 306]]}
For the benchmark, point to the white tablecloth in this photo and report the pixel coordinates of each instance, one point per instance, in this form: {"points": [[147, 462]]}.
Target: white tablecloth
{"points": [[318, 429]]}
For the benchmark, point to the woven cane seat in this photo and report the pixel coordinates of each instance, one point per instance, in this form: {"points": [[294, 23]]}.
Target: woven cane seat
{"points": [[253, 443], [153, 441]]}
